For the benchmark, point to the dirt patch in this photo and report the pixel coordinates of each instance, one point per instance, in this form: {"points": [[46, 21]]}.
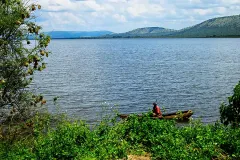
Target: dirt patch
{"points": [[135, 157]]}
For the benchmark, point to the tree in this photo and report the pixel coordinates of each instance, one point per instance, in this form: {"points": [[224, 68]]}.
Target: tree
{"points": [[230, 114], [22, 52]]}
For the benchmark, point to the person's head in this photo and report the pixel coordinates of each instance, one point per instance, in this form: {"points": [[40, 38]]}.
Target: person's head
{"points": [[154, 104]]}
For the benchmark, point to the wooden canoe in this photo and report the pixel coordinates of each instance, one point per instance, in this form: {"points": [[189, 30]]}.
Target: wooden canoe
{"points": [[179, 115]]}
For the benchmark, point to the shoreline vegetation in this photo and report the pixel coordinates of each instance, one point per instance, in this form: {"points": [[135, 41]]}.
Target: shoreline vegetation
{"points": [[46, 136], [27, 133]]}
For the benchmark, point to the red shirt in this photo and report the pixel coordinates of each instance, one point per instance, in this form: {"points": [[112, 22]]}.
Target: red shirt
{"points": [[157, 110]]}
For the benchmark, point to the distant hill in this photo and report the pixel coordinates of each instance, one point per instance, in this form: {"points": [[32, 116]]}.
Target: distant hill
{"points": [[76, 34], [144, 32], [151, 31], [217, 27]]}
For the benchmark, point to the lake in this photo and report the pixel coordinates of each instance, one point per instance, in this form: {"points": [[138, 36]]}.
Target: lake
{"points": [[95, 76]]}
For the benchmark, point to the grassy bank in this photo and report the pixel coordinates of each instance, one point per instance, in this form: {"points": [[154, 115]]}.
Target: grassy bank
{"points": [[111, 139]]}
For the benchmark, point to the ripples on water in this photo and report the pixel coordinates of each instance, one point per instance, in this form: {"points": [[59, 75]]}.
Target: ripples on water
{"points": [[130, 74]]}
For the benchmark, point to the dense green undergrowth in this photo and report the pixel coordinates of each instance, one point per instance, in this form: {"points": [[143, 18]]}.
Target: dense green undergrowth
{"points": [[112, 139]]}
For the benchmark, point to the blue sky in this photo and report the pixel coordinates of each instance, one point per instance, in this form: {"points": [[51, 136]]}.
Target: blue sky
{"points": [[125, 15]]}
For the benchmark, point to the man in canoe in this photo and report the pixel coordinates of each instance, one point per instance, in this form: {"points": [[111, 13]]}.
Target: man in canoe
{"points": [[156, 110]]}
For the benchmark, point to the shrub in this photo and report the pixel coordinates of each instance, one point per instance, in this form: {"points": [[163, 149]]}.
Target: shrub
{"points": [[161, 139], [230, 114]]}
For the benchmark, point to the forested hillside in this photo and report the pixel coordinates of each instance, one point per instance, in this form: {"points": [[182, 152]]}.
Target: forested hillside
{"points": [[216, 27]]}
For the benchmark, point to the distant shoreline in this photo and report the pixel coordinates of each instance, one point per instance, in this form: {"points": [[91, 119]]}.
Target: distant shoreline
{"points": [[146, 37]]}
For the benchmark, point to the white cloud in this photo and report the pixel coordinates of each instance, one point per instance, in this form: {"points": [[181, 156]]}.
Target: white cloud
{"points": [[231, 1], [144, 9], [119, 18], [202, 12], [221, 10], [136, 10], [195, 1]]}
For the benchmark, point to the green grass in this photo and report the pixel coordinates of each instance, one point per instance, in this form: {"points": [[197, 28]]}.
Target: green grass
{"points": [[113, 139]]}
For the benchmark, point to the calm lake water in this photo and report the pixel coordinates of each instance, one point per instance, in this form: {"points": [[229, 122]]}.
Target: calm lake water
{"points": [[130, 74]]}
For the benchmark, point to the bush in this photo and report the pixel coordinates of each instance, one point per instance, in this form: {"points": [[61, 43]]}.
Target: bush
{"points": [[161, 139], [230, 114]]}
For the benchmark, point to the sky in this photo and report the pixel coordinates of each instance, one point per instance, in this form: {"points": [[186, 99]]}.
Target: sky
{"points": [[124, 15]]}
